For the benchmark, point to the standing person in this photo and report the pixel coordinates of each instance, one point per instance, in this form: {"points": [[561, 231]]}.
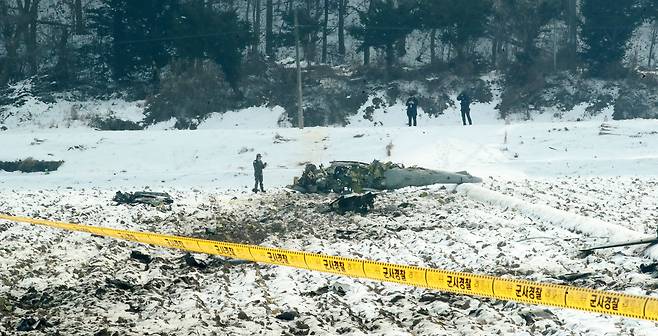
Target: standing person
{"points": [[412, 109], [465, 102], [258, 173]]}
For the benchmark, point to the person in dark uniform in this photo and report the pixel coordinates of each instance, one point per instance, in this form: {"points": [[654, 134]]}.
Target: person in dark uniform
{"points": [[465, 102], [412, 109], [258, 173]]}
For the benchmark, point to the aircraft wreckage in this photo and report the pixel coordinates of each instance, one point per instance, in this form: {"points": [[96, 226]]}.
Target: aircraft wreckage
{"points": [[354, 176]]}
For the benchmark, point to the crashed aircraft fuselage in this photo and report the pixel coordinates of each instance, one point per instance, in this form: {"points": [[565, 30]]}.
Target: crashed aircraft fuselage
{"points": [[354, 176], [396, 178]]}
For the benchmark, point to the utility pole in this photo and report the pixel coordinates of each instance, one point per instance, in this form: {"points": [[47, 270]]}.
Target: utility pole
{"points": [[300, 111]]}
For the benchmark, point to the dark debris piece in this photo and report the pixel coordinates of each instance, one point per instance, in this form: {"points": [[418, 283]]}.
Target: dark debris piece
{"points": [[105, 332], [141, 257], [533, 316], [192, 262], [574, 276], [30, 324], [243, 316], [120, 284], [354, 202], [143, 197], [35, 299], [648, 268], [288, 315]]}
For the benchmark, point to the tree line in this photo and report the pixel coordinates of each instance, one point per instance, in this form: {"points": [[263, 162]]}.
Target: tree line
{"points": [[124, 41]]}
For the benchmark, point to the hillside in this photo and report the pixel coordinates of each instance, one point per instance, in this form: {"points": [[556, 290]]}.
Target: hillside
{"points": [[177, 59]]}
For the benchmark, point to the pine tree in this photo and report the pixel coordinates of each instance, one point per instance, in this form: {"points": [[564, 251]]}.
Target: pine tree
{"points": [[218, 35], [382, 26], [649, 10], [434, 19], [309, 28], [608, 24], [139, 33], [466, 21]]}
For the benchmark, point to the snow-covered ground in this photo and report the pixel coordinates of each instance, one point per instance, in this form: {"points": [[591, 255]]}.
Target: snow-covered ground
{"points": [[84, 285], [221, 158]]}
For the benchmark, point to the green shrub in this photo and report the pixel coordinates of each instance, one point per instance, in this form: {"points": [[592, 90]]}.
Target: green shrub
{"points": [[114, 124], [189, 91]]}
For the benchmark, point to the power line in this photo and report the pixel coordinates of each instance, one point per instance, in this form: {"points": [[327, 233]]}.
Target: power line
{"points": [[183, 37], [195, 36]]}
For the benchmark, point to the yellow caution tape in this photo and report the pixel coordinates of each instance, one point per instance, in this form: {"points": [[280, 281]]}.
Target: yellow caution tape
{"points": [[641, 307]]}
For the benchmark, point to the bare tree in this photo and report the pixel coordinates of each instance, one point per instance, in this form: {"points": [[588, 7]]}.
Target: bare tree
{"points": [[342, 9], [256, 21], [324, 31], [572, 36], [652, 44], [78, 21], [366, 48], [28, 11], [11, 35], [247, 11], [433, 46]]}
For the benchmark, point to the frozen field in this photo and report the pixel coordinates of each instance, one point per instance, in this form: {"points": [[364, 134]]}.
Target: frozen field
{"points": [[549, 189]]}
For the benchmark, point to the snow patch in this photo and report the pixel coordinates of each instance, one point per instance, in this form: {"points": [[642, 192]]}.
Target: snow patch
{"points": [[260, 117], [569, 221]]}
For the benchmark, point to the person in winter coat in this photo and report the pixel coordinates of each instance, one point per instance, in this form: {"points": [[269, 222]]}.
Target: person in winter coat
{"points": [[465, 102], [412, 109], [258, 173]]}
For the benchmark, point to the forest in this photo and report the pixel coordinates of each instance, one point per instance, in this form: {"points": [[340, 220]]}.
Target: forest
{"points": [[188, 58]]}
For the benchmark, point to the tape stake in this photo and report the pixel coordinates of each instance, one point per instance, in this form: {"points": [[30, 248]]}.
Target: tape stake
{"points": [[456, 282]]}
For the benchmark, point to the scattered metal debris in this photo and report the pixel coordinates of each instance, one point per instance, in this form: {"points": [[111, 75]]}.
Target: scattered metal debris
{"points": [[141, 257], [193, 262], [649, 268], [37, 142], [354, 202], [288, 315], [574, 276], [607, 129], [155, 199], [651, 241], [120, 284], [31, 324], [77, 147]]}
